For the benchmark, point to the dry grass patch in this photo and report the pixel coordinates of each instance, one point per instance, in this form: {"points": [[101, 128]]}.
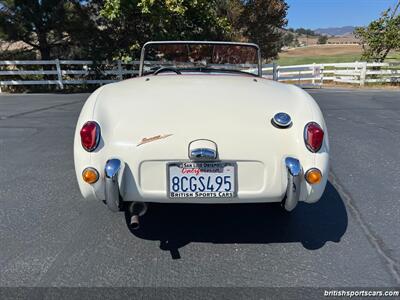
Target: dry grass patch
{"points": [[322, 50]]}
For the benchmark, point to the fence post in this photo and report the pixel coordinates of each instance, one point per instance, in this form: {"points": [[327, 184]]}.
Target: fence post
{"points": [[314, 71], [59, 74], [120, 77], [322, 69], [274, 71], [363, 74], [298, 78]]}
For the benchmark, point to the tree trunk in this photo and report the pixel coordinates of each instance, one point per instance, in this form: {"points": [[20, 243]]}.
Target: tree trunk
{"points": [[44, 53], [44, 47], [383, 57]]}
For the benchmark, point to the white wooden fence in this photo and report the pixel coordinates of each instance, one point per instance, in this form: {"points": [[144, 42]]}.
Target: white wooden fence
{"points": [[63, 72], [358, 73], [78, 72]]}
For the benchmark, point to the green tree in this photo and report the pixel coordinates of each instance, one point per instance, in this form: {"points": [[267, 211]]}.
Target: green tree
{"points": [[110, 29], [135, 22], [323, 39], [261, 22], [231, 10], [288, 39], [296, 42], [380, 36], [2, 35], [304, 31], [45, 25]]}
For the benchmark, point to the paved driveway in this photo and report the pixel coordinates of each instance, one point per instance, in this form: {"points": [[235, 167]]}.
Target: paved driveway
{"points": [[51, 237]]}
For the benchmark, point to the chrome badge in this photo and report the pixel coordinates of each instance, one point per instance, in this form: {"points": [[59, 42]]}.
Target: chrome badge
{"points": [[282, 120], [153, 138]]}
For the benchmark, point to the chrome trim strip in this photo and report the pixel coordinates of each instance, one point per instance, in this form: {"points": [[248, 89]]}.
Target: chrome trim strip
{"points": [[294, 180], [112, 168], [203, 154]]}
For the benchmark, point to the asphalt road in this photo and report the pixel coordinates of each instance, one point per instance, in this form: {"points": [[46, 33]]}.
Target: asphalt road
{"points": [[51, 237]]}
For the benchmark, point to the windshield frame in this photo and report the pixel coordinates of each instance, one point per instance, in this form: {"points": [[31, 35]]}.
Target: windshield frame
{"points": [[142, 54]]}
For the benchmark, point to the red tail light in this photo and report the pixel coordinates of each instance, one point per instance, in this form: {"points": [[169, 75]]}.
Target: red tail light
{"points": [[313, 136], [90, 136]]}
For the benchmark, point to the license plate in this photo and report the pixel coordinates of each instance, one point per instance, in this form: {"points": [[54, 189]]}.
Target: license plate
{"points": [[201, 180]]}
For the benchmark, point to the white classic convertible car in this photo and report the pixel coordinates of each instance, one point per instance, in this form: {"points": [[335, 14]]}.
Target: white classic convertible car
{"points": [[200, 125]]}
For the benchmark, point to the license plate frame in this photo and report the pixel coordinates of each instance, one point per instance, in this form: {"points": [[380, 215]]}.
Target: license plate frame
{"points": [[224, 164]]}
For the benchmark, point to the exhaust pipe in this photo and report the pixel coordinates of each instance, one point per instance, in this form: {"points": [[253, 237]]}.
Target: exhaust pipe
{"points": [[137, 209], [135, 222]]}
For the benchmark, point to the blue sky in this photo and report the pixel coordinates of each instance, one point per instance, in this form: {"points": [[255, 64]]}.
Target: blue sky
{"points": [[334, 13]]}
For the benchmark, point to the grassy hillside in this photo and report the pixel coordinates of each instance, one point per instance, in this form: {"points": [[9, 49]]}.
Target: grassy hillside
{"points": [[320, 54], [304, 60], [325, 54], [393, 56]]}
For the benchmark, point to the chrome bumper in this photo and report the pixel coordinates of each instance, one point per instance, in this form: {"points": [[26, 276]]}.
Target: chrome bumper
{"points": [[293, 187], [112, 169], [115, 166]]}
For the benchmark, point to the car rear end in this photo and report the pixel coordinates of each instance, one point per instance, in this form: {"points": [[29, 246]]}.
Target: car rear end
{"points": [[223, 151]]}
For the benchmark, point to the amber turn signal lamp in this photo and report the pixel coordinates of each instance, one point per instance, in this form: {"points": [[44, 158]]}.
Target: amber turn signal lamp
{"points": [[313, 176], [90, 175]]}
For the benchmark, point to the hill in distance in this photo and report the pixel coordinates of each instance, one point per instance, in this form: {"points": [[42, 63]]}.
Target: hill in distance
{"points": [[336, 31]]}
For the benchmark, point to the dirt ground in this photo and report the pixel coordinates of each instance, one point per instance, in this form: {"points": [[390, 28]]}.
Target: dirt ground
{"points": [[322, 50]]}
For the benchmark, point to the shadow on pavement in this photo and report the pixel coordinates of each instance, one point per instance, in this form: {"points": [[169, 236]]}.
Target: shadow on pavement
{"points": [[176, 225]]}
